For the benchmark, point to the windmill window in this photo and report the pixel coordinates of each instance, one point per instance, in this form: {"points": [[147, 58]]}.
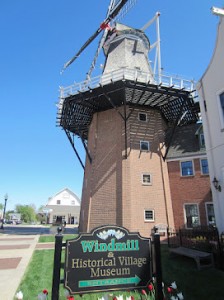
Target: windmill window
{"points": [[144, 146], [149, 215], [142, 117], [146, 179], [58, 202]]}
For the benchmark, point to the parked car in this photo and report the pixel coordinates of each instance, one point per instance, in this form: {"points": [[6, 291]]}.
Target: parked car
{"points": [[18, 222], [8, 222]]}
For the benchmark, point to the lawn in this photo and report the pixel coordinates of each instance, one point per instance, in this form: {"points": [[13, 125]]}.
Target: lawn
{"points": [[51, 238], [195, 285]]}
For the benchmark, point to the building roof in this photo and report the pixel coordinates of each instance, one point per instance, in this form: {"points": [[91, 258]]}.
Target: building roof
{"points": [[63, 194], [185, 142]]}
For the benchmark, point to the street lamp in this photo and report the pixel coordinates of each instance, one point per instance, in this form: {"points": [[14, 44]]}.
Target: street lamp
{"points": [[3, 218]]}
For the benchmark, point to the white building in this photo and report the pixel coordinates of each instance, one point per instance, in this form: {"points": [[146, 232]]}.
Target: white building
{"points": [[63, 207], [211, 95]]}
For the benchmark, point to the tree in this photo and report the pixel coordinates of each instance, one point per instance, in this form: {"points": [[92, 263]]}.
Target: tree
{"points": [[7, 214], [1, 206], [27, 213]]}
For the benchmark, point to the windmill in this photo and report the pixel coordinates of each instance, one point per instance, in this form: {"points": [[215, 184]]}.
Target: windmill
{"points": [[121, 118], [116, 8]]}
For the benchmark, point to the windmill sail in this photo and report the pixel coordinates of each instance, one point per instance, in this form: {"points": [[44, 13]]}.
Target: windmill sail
{"points": [[103, 25]]}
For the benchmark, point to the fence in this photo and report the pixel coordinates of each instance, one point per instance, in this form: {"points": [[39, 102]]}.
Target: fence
{"points": [[201, 238]]}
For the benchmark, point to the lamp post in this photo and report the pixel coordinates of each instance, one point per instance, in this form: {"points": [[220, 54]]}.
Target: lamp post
{"points": [[3, 218]]}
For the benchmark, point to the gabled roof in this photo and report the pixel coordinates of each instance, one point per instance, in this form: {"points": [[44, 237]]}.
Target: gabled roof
{"points": [[219, 43], [185, 142], [68, 191]]}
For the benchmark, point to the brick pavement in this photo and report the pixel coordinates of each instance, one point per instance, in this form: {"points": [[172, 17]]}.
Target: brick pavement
{"points": [[15, 254]]}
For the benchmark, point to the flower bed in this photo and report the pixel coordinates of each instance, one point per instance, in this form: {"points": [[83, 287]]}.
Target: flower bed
{"points": [[170, 293]]}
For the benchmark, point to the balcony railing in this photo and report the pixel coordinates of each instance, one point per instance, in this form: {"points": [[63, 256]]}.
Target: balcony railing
{"points": [[128, 74], [124, 74]]}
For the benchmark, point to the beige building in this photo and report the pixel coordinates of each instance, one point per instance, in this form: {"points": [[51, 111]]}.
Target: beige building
{"points": [[211, 92], [63, 207]]}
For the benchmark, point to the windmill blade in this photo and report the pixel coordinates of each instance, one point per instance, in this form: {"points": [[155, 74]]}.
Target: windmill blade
{"points": [[122, 13], [103, 26], [119, 16], [83, 48], [101, 42]]}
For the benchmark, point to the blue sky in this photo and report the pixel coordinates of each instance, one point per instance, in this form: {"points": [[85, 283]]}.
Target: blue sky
{"points": [[37, 38]]}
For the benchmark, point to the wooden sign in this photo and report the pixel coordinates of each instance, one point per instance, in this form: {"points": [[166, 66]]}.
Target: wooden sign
{"points": [[108, 258]]}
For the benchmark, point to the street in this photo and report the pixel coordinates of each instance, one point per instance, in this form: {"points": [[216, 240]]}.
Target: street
{"points": [[36, 229]]}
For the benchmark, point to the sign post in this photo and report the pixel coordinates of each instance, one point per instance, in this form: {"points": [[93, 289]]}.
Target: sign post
{"points": [[108, 258], [158, 268], [57, 265]]}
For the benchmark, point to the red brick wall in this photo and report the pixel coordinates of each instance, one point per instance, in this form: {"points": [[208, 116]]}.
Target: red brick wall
{"points": [[112, 191], [193, 189]]}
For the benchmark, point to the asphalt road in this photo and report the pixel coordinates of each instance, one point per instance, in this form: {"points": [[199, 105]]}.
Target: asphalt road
{"points": [[35, 229]]}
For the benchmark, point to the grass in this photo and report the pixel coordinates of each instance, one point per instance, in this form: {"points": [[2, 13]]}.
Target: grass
{"points": [[195, 285], [51, 238]]}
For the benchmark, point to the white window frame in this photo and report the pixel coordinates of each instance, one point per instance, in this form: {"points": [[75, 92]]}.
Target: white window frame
{"points": [[201, 166], [206, 209], [143, 150], [185, 217], [146, 183], [153, 215], [220, 110], [182, 161], [146, 117]]}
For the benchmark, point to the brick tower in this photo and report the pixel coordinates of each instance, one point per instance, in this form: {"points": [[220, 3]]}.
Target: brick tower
{"points": [[122, 118]]}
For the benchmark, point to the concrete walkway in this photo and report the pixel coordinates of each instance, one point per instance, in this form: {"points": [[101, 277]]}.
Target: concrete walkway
{"points": [[15, 254]]}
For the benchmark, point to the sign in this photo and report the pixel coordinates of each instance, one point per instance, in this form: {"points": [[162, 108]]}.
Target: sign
{"points": [[108, 258]]}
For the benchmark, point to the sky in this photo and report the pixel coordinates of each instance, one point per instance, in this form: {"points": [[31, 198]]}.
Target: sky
{"points": [[37, 38]]}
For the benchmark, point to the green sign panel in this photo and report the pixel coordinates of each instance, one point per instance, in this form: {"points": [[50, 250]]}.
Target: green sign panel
{"points": [[108, 258]]}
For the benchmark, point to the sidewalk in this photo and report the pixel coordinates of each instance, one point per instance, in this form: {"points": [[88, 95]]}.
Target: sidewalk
{"points": [[15, 254]]}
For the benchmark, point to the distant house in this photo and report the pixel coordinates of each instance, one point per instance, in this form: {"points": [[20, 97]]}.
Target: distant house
{"points": [[15, 217], [211, 95], [63, 207]]}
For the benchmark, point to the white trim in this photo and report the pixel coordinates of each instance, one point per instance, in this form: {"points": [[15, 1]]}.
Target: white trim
{"points": [[182, 158], [153, 214], [185, 217], [193, 171], [146, 183]]}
